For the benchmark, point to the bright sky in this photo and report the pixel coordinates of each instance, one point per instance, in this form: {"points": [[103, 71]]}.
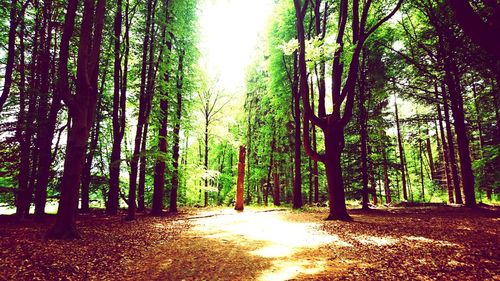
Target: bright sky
{"points": [[229, 33]]}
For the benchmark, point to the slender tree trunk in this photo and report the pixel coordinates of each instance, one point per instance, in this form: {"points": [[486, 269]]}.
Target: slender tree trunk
{"points": [[451, 150], [118, 130], [401, 151], [241, 177], [92, 146], [134, 163], [22, 132], [297, 178], [206, 163], [446, 156], [176, 137], [387, 188], [363, 132], [11, 49], [429, 154]]}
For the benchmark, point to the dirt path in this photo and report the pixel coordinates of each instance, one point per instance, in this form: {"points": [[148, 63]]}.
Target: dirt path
{"points": [[391, 244], [228, 245], [285, 245]]}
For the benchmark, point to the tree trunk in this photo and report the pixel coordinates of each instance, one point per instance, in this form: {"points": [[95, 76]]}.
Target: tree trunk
{"points": [[297, 178], [401, 151], [176, 137], [11, 53], [134, 163], [334, 141], [240, 182], [457, 109], [82, 109], [445, 152], [451, 150], [363, 132], [118, 128]]}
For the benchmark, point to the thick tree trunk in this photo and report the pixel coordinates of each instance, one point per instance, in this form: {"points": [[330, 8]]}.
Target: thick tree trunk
{"points": [[334, 141], [240, 182], [82, 109]]}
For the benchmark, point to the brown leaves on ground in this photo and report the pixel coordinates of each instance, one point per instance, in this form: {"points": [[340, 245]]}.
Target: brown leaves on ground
{"points": [[110, 246], [389, 244]]}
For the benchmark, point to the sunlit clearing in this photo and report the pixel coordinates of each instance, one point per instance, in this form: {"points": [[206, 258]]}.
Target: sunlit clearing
{"points": [[269, 235], [431, 241], [288, 270], [375, 241]]}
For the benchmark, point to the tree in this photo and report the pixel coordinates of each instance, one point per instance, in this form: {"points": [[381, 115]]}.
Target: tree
{"points": [[81, 108], [333, 124]]}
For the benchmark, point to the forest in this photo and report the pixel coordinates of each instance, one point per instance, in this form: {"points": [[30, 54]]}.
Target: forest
{"points": [[360, 141]]}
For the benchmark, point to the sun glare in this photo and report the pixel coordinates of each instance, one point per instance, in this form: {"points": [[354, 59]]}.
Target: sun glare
{"points": [[229, 31]]}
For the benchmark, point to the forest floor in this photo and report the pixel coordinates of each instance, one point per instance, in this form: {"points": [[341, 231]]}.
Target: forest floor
{"points": [[424, 243]]}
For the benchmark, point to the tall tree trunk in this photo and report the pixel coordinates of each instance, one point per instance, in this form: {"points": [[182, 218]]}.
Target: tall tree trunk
{"points": [[363, 132], [9, 67], [297, 178], [445, 152], [82, 107], [387, 188], [92, 146], [241, 177], [118, 128], [429, 154], [451, 149], [134, 163], [457, 109], [22, 134], [401, 151], [176, 137]]}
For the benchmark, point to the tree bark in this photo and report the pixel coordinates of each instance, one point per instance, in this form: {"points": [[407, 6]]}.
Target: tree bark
{"points": [[118, 125], [401, 151], [82, 108], [240, 182], [451, 150], [176, 137], [9, 66]]}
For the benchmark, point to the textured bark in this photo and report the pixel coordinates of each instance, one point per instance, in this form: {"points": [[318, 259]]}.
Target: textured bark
{"points": [[134, 162], [9, 66], [241, 177], [444, 145], [451, 150], [363, 132], [297, 178], [118, 124], [176, 137], [401, 152], [82, 108]]}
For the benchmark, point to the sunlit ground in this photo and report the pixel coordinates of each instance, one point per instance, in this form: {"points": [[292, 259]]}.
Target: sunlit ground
{"points": [[285, 243]]}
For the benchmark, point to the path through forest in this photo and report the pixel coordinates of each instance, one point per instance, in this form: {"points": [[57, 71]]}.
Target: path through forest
{"points": [[417, 243], [263, 245], [284, 245]]}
